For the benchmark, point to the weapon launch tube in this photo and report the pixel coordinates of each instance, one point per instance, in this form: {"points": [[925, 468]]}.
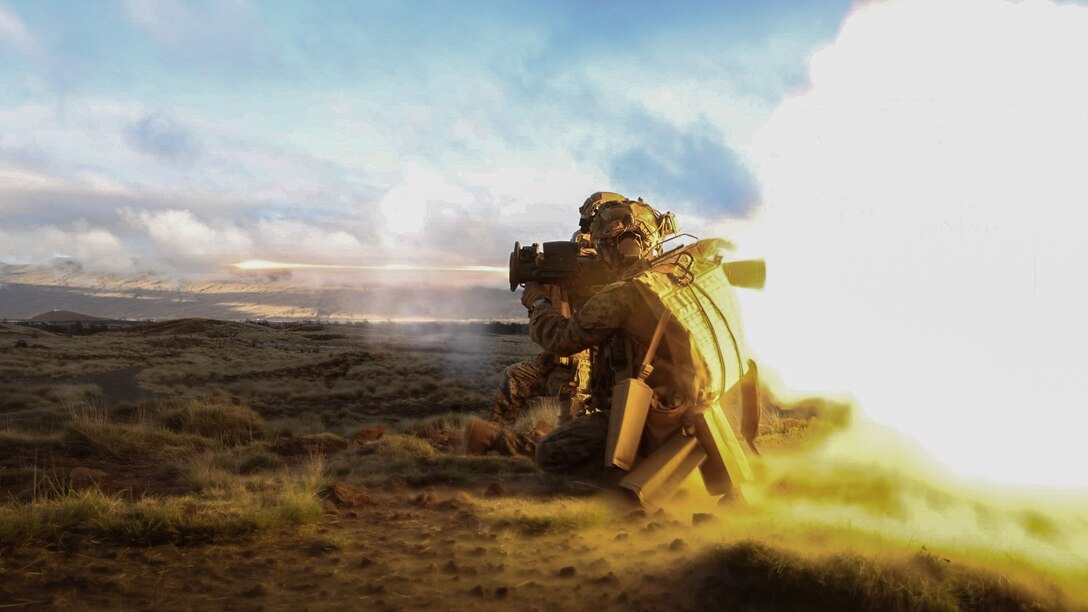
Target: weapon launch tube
{"points": [[749, 273], [664, 470], [630, 406]]}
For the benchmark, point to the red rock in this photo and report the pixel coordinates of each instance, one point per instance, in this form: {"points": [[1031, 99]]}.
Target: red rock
{"points": [[368, 434], [346, 495]]}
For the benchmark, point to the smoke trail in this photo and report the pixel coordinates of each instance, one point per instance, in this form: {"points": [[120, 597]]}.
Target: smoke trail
{"points": [[261, 264], [924, 209]]}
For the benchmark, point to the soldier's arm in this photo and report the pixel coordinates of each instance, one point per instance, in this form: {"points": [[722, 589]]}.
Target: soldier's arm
{"points": [[601, 316]]}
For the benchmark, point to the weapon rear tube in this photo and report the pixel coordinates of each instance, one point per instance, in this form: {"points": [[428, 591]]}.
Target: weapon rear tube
{"points": [[660, 474]]}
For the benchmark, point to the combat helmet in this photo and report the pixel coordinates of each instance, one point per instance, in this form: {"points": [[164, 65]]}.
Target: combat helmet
{"points": [[616, 223], [589, 208]]}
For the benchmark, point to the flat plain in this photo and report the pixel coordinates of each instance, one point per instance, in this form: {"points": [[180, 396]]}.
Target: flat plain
{"points": [[202, 464]]}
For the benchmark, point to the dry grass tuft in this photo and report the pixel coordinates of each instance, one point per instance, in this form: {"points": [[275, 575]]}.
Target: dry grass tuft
{"points": [[233, 510], [92, 434], [229, 423]]}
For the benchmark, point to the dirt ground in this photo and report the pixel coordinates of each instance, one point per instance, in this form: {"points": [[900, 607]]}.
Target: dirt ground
{"points": [[400, 551], [423, 528]]}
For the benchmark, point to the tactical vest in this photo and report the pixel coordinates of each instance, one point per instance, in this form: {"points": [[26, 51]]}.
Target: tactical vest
{"points": [[691, 283]]}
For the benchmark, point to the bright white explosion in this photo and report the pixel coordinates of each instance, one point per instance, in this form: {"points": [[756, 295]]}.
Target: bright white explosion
{"points": [[925, 210]]}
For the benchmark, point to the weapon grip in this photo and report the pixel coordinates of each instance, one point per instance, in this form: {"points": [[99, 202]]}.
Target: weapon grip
{"points": [[561, 300]]}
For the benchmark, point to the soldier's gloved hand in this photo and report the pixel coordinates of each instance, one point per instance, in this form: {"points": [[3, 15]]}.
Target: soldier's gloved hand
{"points": [[533, 292]]}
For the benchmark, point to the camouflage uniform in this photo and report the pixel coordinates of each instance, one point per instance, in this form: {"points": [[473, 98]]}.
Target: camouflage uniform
{"points": [[527, 379], [578, 446]]}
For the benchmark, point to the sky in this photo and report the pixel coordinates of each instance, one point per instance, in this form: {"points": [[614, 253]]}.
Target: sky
{"points": [[178, 137], [912, 170]]}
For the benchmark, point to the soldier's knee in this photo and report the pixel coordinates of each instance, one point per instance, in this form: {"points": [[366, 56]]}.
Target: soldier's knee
{"points": [[574, 446]]}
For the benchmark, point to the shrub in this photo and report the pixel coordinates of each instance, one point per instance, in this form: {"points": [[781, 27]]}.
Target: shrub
{"points": [[90, 434], [231, 424]]}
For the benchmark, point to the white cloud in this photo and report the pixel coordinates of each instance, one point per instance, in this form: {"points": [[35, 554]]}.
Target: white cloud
{"points": [[93, 247], [295, 240], [167, 19], [924, 217], [14, 32], [179, 235]]}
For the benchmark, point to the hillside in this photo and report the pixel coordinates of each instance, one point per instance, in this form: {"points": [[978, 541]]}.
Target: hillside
{"points": [[27, 291], [64, 316]]}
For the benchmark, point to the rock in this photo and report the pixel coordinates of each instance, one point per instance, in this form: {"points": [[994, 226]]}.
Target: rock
{"points": [[366, 562], [20, 343], [346, 495], [501, 592], [495, 489], [466, 519], [678, 544], [637, 514], [425, 499], [621, 537], [368, 434], [478, 590], [567, 572], [257, 590], [85, 475], [321, 547], [622, 597], [459, 501], [450, 567], [699, 518], [652, 526]]}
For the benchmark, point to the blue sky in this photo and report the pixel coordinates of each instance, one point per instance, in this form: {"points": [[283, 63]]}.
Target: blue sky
{"points": [[180, 136]]}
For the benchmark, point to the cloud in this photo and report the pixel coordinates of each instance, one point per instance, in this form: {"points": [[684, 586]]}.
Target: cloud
{"points": [[180, 237], [163, 138], [93, 246], [14, 32], [294, 240], [218, 36], [691, 165]]}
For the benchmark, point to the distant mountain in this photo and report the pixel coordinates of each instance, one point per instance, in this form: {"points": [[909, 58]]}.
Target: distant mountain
{"points": [[64, 316], [28, 291]]}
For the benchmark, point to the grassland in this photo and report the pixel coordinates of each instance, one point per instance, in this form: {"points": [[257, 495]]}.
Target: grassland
{"points": [[204, 464]]}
